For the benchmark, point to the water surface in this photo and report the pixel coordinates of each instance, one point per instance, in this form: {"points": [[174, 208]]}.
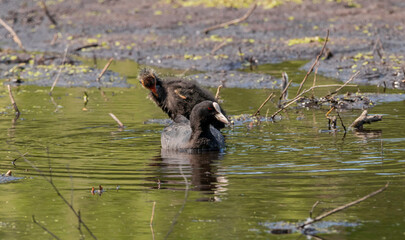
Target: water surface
{"points": [[269, 175]]}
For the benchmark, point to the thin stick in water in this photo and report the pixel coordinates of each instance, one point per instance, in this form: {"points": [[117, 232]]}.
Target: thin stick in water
{"points": [[338, 209], [264, 103], [10, 94], [117, 120], [151, 221], [104, 69], [60, 70], [316, 61]]}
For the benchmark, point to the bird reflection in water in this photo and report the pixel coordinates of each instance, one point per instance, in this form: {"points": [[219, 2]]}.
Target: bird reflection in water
{"points": [[196, 171]]}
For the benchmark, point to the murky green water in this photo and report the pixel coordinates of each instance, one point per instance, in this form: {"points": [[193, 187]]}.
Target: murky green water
{"points": [[269, 175]]}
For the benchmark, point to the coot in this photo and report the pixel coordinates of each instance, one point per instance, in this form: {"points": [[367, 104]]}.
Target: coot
{"points": [[175, 96], [196, 134]]}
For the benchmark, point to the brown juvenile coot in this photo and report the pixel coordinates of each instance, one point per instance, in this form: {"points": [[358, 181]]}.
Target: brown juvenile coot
{"points": [[197, 133], [175, 96]]}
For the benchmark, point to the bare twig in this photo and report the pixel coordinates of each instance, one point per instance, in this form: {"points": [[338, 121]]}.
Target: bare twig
{"points": [[286, 85], [232, 22], [13, 34], [365, 119], [302, 93], [60, 70], [313, 65], [313, 207], [47, 13], [218, 46], [151, 221], [218, 90], [10, 94], [264, 103], [86, 46], [341, 121], [338, 209], [344, 85], [43, 227], [117, 120], [99, 77], [104, 69]]}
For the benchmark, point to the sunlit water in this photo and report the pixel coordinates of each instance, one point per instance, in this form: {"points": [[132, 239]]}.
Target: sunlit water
{"points": [[268, 177]]}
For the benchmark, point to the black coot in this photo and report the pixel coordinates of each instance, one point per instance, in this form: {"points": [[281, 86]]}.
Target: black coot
{"points": [[196, 134], [176, 97]]}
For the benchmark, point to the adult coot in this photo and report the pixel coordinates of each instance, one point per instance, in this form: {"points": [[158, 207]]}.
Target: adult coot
{"points": [[196, 134], [176, 97]]}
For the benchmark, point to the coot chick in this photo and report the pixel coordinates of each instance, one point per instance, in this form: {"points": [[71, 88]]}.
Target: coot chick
{"points": [[196, 134], [176, 97]]}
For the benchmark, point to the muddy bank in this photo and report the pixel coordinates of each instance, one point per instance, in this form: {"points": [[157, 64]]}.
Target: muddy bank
{"points": [[171, 36]]}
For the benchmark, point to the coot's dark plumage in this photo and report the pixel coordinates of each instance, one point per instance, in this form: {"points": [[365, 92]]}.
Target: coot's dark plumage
{"points": [[175, 96], [197, 133]]}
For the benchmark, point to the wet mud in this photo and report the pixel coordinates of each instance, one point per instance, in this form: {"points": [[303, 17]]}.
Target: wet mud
{"points": [[365, 36]]}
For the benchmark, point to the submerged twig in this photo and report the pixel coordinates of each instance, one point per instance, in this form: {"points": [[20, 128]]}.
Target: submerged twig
{"points": [[264, 103], [151, 221], [365, 119], [313, 207], [13, 34], [120, 124], [232, 22], [43, 227], [338, 209], [10, 94], [316, 61]]}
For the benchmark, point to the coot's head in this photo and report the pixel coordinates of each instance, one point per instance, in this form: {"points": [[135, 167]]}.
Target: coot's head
{"points": [[206, 113], [148, 78]]}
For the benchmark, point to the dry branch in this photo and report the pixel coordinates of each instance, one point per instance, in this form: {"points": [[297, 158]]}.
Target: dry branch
{"points": [[218, 90], [47, 13], [11, 31], [151, 221], [232, 22], [264, 103], [218, 46], [302, 93], [344, 85], [60, 70], [104, 69], [338, 209], [365, 119], [17, 112], [286, 85], [313, 65], [117, 120]]}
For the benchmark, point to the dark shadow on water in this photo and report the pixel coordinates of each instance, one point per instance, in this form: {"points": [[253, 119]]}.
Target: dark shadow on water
{"points": [[200, 170]]}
